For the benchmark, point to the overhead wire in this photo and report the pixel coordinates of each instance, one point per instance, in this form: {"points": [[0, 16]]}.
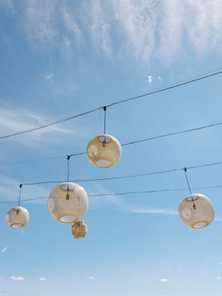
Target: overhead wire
{"points": [[138, 141], [124, 193], [114, 103], [112, 178]]}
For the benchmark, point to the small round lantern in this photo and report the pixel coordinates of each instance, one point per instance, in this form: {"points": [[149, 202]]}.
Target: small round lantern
{"points": [[196, 211], [104, 151], [79, 230], [68, 202], [17, 217]]}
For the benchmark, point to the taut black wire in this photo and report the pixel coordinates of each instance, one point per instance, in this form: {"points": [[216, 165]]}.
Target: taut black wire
{"points": [[152, 173], [166, 135], [117, 102], [125, 193], [170, 134]]}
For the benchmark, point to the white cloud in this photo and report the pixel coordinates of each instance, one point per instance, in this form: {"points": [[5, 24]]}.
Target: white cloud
{"points": [[146, 29], [42, 279], [150, 79], [154, 211], [164, 280], [91, 278], [17, 278], [12, 121], [219, 278], [40, 19], [48, 76], [3, 250]]}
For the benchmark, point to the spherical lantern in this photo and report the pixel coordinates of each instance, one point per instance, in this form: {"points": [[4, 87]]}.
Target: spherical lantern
{"points": [[196, 211], [68, 202], [17, 217], [104, 151], [79, 229]]}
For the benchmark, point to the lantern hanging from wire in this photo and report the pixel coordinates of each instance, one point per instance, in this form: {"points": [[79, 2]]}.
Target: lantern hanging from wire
{"points": [[196, 210], [68, 202], [18, 217], [104, 151], [79, 229]]}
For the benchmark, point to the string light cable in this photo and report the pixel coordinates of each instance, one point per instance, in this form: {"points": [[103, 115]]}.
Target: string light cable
{"points": [[139, 175], [114, 103], [109, 195]]}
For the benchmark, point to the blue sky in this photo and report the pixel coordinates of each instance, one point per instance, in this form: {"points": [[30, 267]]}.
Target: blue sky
{"points": [[58, 58]]}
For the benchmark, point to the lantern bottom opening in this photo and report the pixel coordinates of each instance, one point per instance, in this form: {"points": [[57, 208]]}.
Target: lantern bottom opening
{"points": [[67, 219], [16, 225], [103, 163], [200, 224]]}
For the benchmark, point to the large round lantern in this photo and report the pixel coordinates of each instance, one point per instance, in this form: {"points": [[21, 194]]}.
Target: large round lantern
{"points": [[79, 230], [104, 151], [17, 217], [196, 211], [68, 202]]}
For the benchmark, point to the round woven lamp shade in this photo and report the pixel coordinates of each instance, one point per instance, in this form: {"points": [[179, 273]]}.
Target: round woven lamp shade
{"points": [[17, 217], [104, 151], [196, 211], [68, 202]]}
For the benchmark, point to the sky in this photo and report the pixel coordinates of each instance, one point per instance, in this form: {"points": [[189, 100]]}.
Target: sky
{"points": [[59, 58]]}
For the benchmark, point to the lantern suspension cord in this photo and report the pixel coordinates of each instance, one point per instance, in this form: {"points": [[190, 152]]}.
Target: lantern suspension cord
{"points": [[68, 157], [117, 102], [20, 195], [189, 187], [146, 174], [187, 181], [104, 121]]}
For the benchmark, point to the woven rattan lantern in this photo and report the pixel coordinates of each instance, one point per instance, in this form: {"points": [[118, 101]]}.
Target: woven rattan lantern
{"points": [[68, 202], [196, 211], [17, 217], [79, 230], [104, 151]]}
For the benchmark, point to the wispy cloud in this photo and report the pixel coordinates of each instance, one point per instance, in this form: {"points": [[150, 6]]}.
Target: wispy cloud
{"points": [[3, 250], [154, 211], [42, 279], [147, 29], [164, 280], [12, 121], [91, 277], [16, 278]]}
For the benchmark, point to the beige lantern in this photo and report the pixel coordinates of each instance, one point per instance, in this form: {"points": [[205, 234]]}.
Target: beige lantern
{"points": [[17, 217], [196, 211], [79, 230], [68, 202], [104, 151]]}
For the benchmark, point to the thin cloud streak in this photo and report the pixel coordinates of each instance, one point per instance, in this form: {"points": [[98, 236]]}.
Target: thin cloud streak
{"points": [[162, 28], [154, 211]]}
